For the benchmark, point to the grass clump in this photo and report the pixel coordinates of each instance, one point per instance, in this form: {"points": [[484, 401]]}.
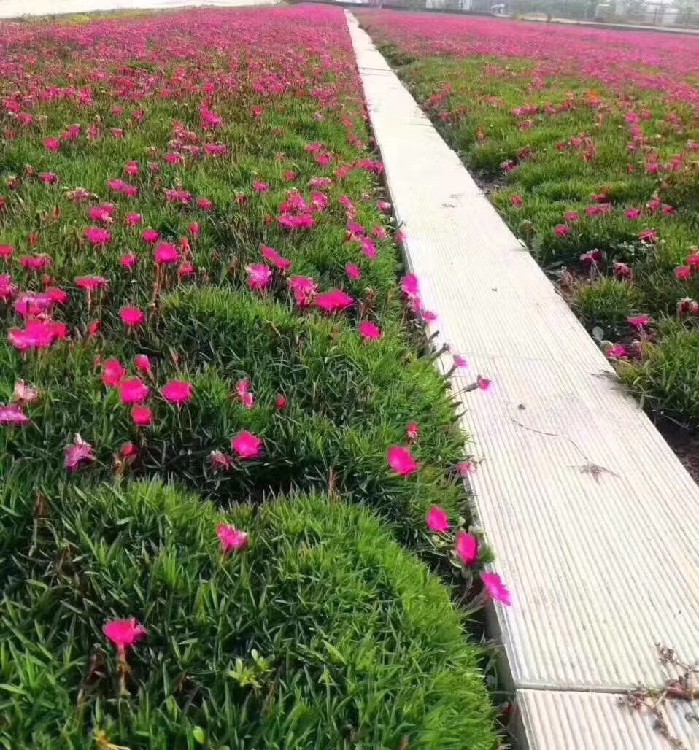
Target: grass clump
{"points": [[323, 634]]}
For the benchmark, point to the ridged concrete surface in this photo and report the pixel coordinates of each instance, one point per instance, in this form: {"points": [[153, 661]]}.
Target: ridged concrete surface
{"points": [[594, 521], [579, 721], [19, 8]]}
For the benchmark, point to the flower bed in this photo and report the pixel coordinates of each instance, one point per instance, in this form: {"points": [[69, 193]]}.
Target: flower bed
{"points": [[589, 142], [199, 286]]}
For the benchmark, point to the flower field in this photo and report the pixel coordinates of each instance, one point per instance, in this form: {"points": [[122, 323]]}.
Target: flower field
{"points": [[228, 463], [588, 142]]}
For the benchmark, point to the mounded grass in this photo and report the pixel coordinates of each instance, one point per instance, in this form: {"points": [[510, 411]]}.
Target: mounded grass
{"points": [[325, 633]]}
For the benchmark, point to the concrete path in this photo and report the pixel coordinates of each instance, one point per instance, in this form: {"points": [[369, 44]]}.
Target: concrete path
{"points": [[19, 8], [594, 521]]}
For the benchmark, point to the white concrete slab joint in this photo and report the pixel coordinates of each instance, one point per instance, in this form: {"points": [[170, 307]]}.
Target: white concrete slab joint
{"points": [[593, 519]]}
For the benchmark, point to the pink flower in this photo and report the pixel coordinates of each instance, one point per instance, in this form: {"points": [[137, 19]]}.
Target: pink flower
{"points": [[232, 539], [166, 254], [496, 588], [113, 372], [13, 414], [91, 283], [78, 454], [562, 230], [410, 286], [483, 383], [334, 301], [683, 273], [124, 633], [618, 351], [178, 392], [244, 393], [282, 402], [195, 229], [354, 272], [94, 328], [133, 391], [205, 204], [304, 289], [260, 187], [6, 251], [36, 262], [247, 446], [132, 317], [25, 393], [466, 548], [413, 431], [220, 461], [622, 270], [460, 361], [438, 520], [571, 216], [52, 144], [465, 468], [37, 334], [129, 261], [639, 321], [384, 207], [650, 235], [98, 236], [143, 365], [142, 416], [633, 214], [687, 306], [517, 200], [277, 260], [150, 236], [401, 460], [260, 276], [128, 452], [369, 331]]}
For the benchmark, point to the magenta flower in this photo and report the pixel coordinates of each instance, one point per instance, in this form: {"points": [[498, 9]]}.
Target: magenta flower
{"points": [[633, 214], [52, 144], [232, 539], [650, 236], [132, 317], [571, 216], [124, 633], [282, 402], [460, 361], [113, 372], [369, 331], [142, 416], [618, 351], [277, 260], [150, 236], [517, 201], [98, 236], [13, 414], [639, 321], [260, 187], [683, 273], [354, 272], [78, 454], [496, 588], [243, 389], [247, 446], [91, 283], [220, 461], [438, 520], [178, 392], [133, 391], [129, 261], [562, 230], [334, 301], [466, 548], [166, 254], [37, 334], [36, 262], [304, 290], [143, 365], [401, 460], [6, 251], [413, 431], [465, 468], [260, 277], [484, 384], [410, 285]]}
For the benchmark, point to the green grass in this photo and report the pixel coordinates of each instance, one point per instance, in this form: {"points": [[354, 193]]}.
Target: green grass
{"points": [[564, 160], [324, 634]]}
